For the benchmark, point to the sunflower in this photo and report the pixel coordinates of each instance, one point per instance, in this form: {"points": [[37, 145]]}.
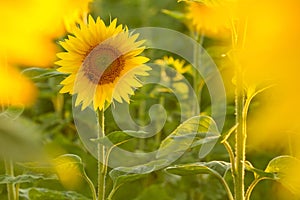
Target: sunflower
{"points": [[210, 20], [15, 89], [102, 63], [176, 63], [27, 24]]}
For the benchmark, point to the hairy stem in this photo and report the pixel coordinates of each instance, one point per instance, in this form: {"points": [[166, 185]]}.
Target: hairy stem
{"points": [[101, 159], [240, 138]]}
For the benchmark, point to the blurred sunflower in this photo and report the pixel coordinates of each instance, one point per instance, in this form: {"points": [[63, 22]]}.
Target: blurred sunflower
{"points": [[27, 38], [39, 23], [176, 63], [103, 63], [210, 20], [15, 89]]}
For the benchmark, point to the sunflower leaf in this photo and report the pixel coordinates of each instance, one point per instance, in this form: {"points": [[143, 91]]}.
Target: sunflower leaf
{"points": [[213, 167], [114, 138], [121, 175], [187, 134], [285, 169], [25, 178], [43, 193]]}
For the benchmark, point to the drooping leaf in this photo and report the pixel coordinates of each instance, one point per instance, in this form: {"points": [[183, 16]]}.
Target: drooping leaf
{"points": [[213, 167], [42, 193]]}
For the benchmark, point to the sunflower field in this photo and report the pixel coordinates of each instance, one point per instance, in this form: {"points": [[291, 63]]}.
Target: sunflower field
{"points": [[143, 100]]}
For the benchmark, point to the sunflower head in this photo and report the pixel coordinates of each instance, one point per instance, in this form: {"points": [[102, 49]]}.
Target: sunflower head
{"points": [[102, 63], [15, 89], [179, 65], [210, 20]]}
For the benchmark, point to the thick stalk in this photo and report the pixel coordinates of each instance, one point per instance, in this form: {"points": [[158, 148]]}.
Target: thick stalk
{"points": [[239, 30], [240, 138], [101, 159], [9, 170]]}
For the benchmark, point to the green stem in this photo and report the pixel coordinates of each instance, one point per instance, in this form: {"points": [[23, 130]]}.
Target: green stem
{"points": [[17, 191], [239, 30], [197, 83], [231, 157], [240, 138], [251, 187], [91, 185], [9, 170], [158, 135], [113, 191], [141, 116], [101, 159], [222, 180]]}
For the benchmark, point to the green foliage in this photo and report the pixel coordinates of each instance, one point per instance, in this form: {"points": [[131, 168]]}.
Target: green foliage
{"points": [[47, 131], [25, 178], [194, 131], [213, 167], [42, 193]]}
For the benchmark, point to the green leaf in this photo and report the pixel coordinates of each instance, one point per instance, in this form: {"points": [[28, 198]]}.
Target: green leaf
{"points": [[38, 168], [213, 167], [174, 14], [118, 137], [121, 175], [42, 193], [69, 161], [199, 128], [199, 138], [25, 178], [286, 171]]}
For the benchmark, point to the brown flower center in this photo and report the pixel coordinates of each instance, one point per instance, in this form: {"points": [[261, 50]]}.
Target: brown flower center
{"points": [[103, 64]]}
